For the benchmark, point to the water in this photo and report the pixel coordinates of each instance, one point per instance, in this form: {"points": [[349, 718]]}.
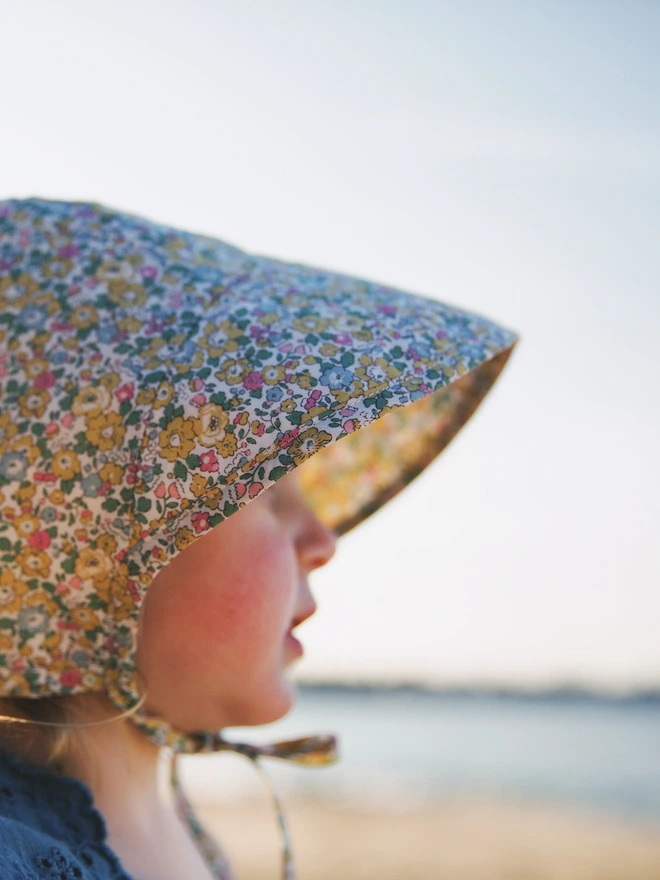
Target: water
{"points": [[408, 746]]}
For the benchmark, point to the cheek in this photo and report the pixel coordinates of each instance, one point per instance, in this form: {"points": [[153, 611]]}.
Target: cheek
{"points": [[224, 610]]}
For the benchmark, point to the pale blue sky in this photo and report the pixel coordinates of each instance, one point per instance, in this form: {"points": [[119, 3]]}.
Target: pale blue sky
{"points": [[499, 156]]}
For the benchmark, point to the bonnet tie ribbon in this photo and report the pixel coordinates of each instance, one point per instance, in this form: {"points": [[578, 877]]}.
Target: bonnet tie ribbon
{"points": [[312, 751]]}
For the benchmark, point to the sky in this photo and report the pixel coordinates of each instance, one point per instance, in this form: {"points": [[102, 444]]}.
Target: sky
{"points": [[501, 157]]}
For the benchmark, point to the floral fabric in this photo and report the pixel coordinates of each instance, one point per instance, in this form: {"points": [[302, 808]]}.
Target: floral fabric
{"points": [[153, 381]]}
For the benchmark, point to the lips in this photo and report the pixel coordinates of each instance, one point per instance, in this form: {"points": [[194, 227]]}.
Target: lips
{"points": [[293, 643]]}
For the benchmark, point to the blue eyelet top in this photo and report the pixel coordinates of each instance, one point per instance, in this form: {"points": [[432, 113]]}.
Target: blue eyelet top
{"points": [[50, 828]]}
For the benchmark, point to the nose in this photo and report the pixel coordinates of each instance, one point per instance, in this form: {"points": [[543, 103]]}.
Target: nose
{"points": [[318, 543]]}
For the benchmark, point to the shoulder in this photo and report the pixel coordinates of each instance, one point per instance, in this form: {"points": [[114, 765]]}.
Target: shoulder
{"points": [[29, 854], [21, 849]]}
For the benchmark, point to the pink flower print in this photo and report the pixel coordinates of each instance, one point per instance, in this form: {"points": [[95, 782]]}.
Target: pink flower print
{"points": [[148, 271], [39, 539], [70, 250], [311, 400], [253, 380], [41, 477], [68, 420], [52, 428], [197, 384], [387, 310], [209, 461], [133, 591], [350, 425], [3, 364], [45, 380], [343, 338], [200, 521], [254, 489], [75, 583], [125, 392], [71, 678], [199, 399], [240, 490], [289, 437]]}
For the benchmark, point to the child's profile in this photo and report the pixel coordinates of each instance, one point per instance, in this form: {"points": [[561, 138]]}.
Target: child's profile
{"points": [[186, 431]]}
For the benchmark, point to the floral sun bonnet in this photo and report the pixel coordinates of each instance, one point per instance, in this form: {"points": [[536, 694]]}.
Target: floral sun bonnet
{"points": [[154, 381]]}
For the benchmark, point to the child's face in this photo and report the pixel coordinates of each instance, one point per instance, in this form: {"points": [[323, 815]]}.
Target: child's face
{"points": [[214, 641]]}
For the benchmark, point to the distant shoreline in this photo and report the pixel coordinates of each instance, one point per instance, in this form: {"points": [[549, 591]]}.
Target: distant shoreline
{"points": [[556, 693]]}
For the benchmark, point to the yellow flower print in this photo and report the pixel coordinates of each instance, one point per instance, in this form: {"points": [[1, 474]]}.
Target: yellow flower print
{"points": [[111, 473], [234, 371], [296, 300], [328, 349], [91, 681], [85, 618], [16, 686], [56, 496], [184, 537], [311, 324], [93, 563], [39, 599], [25, 445], [375, 372], [52, 640], [130, 324], [6, 643], [220, 338], [127, 295], [65, 464], [307, 443], [227, 446], [110, 380], [56, 268], [146, 396], [34, 562], [107, 543], [178, 439], [198, 485], [341, 396], [16, 293], [269, 318], [24, 494], [288, 405], [273, 374], [91, 400], [164, 394], [84, 316], [210, 424], [7, 430], [304, 380], [34, 402], [106, 431], [35, 367], [11, 593], [26, 525]]}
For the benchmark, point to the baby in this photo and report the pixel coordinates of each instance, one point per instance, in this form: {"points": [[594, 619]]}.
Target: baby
{"points": [[185, 431]]}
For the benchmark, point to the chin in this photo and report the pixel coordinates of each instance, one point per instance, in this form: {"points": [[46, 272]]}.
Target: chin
{"points": [[267, 707]]}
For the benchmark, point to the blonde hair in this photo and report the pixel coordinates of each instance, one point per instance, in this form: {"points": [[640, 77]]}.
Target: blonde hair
{"points": [[44, 729]]}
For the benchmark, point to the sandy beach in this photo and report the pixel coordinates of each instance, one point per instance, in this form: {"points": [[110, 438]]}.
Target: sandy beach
{"points": [[470, 839]]}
